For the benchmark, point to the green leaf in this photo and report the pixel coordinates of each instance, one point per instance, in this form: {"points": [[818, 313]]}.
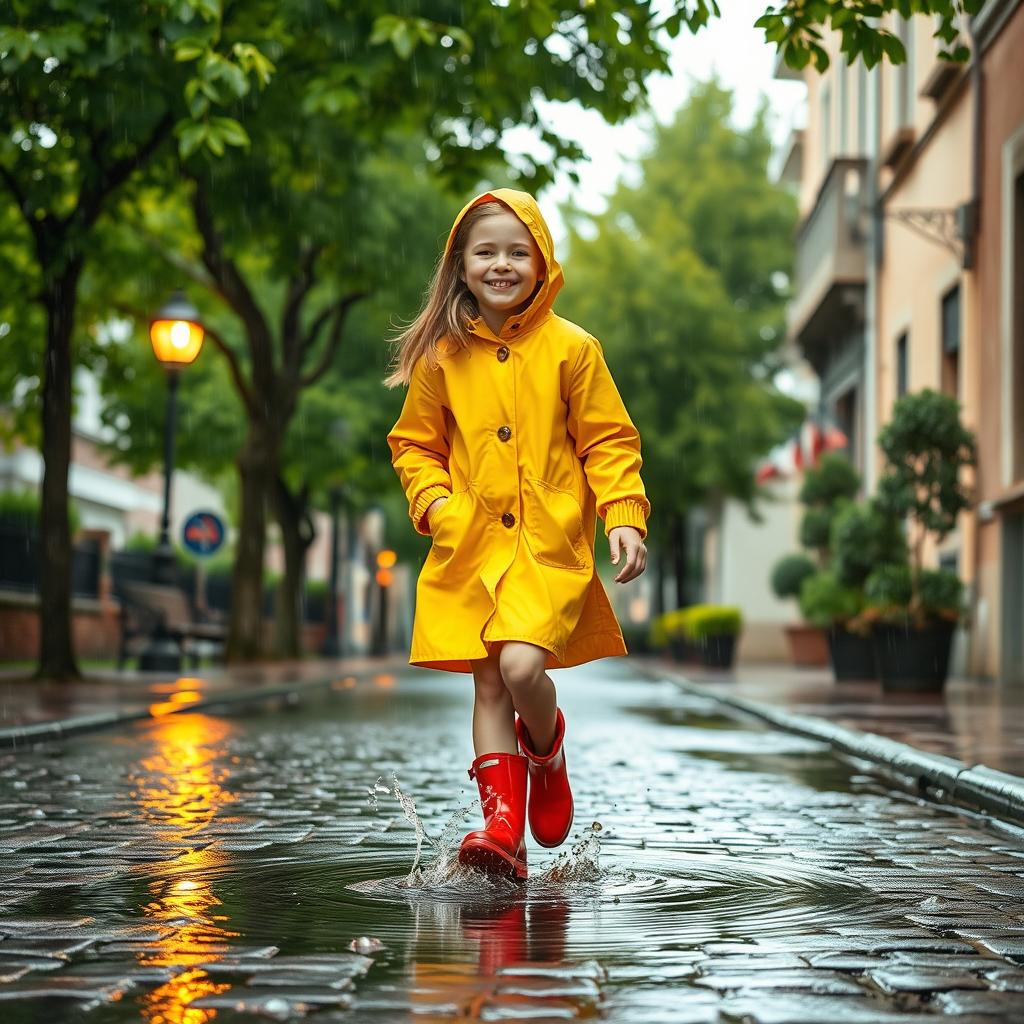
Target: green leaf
{"points": [[231, 131], [383, 28], [463, 38], [190, 137], [403, 40]]}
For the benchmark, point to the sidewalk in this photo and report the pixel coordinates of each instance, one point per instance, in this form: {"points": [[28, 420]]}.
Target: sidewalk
{"points": [[31, 712], [966, 743]]}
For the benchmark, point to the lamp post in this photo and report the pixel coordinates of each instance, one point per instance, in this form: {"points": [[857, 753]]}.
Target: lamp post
{"points": [[177, 336]]}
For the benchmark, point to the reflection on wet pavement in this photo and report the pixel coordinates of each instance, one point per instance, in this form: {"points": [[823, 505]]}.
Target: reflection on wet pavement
{"points": [[199, 869]]}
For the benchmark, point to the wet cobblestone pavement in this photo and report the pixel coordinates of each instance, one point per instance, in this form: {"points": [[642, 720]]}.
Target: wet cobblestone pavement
{"points": [[195, 868]]}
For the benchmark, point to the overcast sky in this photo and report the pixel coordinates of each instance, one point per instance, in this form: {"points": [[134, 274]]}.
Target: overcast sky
{"points": [[729, 46]]}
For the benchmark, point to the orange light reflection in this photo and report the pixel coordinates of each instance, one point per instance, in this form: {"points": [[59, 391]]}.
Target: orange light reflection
{"points": [[179, 789]]}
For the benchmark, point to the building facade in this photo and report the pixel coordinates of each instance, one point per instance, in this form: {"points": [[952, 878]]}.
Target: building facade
{"points": [[910, 274]]}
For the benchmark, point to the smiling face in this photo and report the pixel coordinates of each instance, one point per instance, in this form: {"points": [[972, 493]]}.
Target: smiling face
{"points": [[501, 266]]}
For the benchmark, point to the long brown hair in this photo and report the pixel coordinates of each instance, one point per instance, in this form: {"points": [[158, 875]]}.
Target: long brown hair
{"points": [[448, 305]]}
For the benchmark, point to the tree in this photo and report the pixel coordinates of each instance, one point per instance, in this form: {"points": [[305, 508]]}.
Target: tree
{"points": [[684, 278], [90, 94], [393, 217], [87, 96]]}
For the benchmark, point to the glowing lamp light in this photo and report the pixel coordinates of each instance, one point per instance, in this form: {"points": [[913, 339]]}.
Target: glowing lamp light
{"points": [[386, 558], [385, 577], [176, 333]]}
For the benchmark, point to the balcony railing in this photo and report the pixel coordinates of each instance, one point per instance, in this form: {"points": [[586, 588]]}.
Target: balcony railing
{"points": [[831, 253]]}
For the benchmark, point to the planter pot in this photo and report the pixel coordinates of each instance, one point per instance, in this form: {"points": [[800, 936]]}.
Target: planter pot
{"points": [[682, 650], [808, 645], [852, 655], [718, 650], [912, 660]]}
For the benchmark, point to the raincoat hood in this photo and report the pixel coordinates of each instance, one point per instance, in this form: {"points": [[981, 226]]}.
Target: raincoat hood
{"points": [[525, 207]]}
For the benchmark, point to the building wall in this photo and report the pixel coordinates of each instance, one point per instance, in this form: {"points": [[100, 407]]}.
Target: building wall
{"points": [[939, 139], [1000, 408], [740, 556]]}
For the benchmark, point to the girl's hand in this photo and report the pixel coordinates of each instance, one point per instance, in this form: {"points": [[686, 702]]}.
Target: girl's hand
{"points": [[628, 539], [431, 509]]}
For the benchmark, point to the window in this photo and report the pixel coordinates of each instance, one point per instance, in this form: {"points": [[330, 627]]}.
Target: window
{"points": [[901, 364], [951, 342]]}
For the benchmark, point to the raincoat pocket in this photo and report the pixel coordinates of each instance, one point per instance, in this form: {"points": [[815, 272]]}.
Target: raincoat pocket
{"points": [[443, 538], [553, 525]]}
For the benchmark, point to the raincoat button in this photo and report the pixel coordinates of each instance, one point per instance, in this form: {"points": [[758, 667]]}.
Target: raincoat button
{"points": [[515, 327], [508, 520], [504, 433], [503, 353]]}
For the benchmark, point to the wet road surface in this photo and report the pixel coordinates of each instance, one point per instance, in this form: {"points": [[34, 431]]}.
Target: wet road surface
{"points": [[196, 868]]}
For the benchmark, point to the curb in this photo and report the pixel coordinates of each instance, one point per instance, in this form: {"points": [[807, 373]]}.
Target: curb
{"points": [[976, 786], [23, 736]]}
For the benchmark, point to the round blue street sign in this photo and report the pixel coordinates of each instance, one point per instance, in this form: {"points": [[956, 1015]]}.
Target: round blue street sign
{"points": [[203, 533]]}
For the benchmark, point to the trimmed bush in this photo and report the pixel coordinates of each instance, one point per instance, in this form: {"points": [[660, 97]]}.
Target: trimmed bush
{"points": [[833, 479], [942, 592], [863, 537], [789, 573], [704, 620], [888, 588], [825, 601], [816, 527]]}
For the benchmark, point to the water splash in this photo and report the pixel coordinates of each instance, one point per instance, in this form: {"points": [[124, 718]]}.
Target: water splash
{"points": [[444, 867], [581, 863]]}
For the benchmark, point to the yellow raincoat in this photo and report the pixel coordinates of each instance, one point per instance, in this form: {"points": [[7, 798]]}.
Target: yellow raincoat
{"points": [[528, 436]]}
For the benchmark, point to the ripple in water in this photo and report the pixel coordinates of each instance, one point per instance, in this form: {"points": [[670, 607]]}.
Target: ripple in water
{"points": [[682, 899]]}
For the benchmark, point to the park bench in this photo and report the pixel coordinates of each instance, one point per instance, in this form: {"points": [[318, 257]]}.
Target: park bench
{"points": [[149, 608]]}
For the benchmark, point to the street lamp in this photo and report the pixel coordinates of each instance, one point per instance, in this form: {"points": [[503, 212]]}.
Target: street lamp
{"points": [[177, 337]]}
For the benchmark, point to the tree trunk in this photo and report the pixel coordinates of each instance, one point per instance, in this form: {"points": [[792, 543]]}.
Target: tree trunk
{"points": [[257, 467], [680, 556], [56, 652], [297, 534]]}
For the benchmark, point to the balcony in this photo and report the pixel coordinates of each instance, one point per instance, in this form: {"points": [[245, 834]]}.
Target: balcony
{"points": [[831, 261]]}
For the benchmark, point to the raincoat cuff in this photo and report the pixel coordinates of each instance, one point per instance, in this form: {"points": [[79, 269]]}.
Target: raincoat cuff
{"points": [[422, 503], [626, 513]]}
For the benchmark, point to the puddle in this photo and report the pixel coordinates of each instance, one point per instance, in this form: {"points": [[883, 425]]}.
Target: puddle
{"points": [[219, 862]]}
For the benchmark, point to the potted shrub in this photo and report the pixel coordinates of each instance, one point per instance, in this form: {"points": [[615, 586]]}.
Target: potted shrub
{"points": [[863, 536], [806, 640], [828, 603], [666, 633], [913, 610], [713, 630], [827, 488]]}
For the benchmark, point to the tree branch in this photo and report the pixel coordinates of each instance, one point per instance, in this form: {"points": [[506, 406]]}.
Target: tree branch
{"points": [[298, 289], [236, 291], [244, 390], [90, 202], [179, 263], [34, 225], [327, 356]]}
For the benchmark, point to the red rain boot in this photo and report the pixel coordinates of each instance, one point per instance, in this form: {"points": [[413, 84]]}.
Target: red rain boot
{"points": [[550, 807], [499, 847]]}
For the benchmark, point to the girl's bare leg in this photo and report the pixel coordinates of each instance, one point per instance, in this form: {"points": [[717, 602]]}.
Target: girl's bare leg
{"points": [[493, 714], [532, 689]]}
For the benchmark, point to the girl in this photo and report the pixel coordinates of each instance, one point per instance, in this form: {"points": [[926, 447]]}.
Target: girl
{"points": [[511, 440]]}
